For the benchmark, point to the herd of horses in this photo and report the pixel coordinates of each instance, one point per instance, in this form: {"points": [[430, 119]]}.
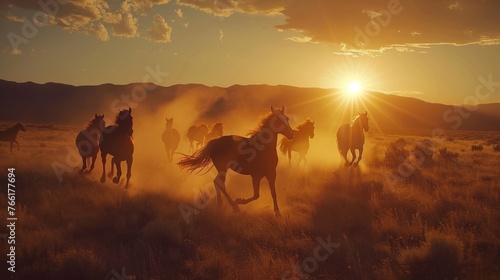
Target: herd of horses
{"points": [[255, 155]]}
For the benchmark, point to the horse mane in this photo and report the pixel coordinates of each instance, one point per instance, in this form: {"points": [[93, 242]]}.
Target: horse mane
{"points": [[263, 121], [354, 120], [304, 124], [89, 123]]}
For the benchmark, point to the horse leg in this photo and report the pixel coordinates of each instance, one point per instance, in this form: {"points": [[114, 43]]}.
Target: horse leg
{"points": [[17, 143], [344, 155], [118, 163], [271, 179], [94, 157], [113, 163], [304, 159], [289, 151], [84, 165], [103, 158], [129, 171], [220, 183], [256, 187], [353, 154], [359, 157]]}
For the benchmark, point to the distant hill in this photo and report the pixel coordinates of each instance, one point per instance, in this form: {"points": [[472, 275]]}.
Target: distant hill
{"points": [[54, 103]]}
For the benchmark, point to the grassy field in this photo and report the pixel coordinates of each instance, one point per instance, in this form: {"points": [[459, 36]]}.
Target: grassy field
{"points": [[411, 210]]}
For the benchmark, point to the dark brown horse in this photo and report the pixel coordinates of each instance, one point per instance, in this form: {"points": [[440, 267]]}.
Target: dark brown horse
{"points": [[197, 134], [170, 138], [117, 141], [300, 142], [87, 141], [10, 134], [350, 137], [255, 156]]}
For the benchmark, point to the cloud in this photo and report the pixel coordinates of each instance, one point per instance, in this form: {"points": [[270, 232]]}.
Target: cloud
{"points": [[122, 22], [97, 30], [228, 7], [144, 6], [375, 25], [179, 13], [160, 31], [91, 17], [299, 39]]}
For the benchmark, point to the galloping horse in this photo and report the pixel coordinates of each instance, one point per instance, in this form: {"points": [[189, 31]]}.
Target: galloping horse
{"points": [[170, 138], [215, 132], [10, 134], [351, 137], [197, 134], [300, 142], [87, 141], [255, 156], [117, 141]]}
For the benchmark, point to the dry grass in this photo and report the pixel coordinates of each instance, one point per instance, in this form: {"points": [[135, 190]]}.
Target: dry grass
{"points": [[439, 220]]}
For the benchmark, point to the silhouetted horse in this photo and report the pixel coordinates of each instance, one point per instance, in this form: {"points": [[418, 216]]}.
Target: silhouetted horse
{"points": [[170, 138], [255, 156], [87, 141], [215, 132], [10, 134], [351, 137], [197, 134], [117, 141], [300, 141]]}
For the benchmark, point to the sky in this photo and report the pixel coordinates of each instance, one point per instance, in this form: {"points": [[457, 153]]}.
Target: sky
{"points": [[435, 50]]}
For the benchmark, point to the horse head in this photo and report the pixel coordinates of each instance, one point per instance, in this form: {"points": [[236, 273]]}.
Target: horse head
{"points": [[20, 127], [309, 128], [284, 127], [363, 117], [124, 120], [218, 129], [170, 122], [97, 122]]}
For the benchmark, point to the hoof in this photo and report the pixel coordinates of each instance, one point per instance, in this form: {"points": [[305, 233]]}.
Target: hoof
{"points": [[116, 180], [103, 179], [347, 164], [355, 164], [277, 213]]}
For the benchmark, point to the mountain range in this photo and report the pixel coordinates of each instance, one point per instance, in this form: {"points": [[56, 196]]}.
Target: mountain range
{"points": [[55, 103]]}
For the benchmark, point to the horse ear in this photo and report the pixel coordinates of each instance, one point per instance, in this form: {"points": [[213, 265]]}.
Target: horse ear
{"points": [[95, 116], [283, 109], [129, 110], [272, 109]]}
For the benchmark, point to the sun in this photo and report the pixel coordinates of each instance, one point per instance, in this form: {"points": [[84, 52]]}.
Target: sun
{"points": [[353, 88]]}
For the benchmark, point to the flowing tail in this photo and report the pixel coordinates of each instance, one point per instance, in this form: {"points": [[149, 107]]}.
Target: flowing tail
{"points": [[199, 160], [284, 145]]}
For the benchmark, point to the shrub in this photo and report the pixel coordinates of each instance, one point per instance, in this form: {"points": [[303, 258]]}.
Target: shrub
{"points": [[438, 258], [476, 147], [78, 264], [396, 153], [446, 155], [423, 151]]}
